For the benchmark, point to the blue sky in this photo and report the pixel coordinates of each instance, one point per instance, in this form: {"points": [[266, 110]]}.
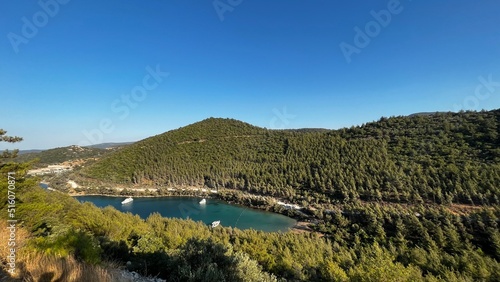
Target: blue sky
{"points": [[66, 69]]}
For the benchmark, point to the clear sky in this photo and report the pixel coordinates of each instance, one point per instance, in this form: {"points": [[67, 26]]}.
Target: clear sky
{"points": [[76, 72]]}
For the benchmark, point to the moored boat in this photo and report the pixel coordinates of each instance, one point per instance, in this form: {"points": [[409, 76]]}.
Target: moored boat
{"points": [[127, 200]]}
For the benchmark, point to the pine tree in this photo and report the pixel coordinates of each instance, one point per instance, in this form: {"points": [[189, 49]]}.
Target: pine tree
{"points": [[10, 139]]}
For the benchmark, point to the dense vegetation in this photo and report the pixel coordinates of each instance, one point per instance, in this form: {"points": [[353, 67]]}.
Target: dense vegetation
{"points": [[382, 195], [366, 242], [442, 158]]}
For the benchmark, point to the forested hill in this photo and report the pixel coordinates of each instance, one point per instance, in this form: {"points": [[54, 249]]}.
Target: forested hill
{"points": [[442, 158], [61, 154]]}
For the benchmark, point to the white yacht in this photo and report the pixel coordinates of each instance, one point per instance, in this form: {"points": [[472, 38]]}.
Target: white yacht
{"points": [[127, 200], [215, 223], [202, 202]]}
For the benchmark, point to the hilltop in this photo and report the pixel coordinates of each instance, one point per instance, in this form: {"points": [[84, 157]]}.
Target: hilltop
{"points": [[440, 158]]}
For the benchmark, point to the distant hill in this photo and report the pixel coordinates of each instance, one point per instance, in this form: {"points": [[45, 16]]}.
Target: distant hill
{"points": [[425, 114], [22, 152], [62, 154], [305, 130], [450, 157], [73, 152], [109, 145]]}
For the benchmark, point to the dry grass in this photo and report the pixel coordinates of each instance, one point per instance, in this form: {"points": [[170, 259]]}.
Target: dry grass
{"points": [[37, 267], [34, 266]]}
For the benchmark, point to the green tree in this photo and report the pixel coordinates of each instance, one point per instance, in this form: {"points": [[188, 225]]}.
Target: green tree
{"points": [[10, 139]]}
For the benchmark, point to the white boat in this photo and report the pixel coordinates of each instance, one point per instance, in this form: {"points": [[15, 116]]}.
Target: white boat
{"points": [[202, 202], [127, 200], [215, 223]]}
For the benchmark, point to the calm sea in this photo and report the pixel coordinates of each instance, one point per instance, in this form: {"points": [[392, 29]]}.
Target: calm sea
{"points": [[189, 207]]}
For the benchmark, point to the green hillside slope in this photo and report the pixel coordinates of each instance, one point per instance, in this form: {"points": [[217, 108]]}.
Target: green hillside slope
{"points": [[441, 158]]}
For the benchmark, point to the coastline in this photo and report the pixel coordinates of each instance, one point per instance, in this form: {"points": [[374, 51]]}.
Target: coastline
{"points": [[300, 226]]}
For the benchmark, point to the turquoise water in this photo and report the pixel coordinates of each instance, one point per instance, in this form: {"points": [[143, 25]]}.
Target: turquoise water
{"points": [[189, 207]]}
